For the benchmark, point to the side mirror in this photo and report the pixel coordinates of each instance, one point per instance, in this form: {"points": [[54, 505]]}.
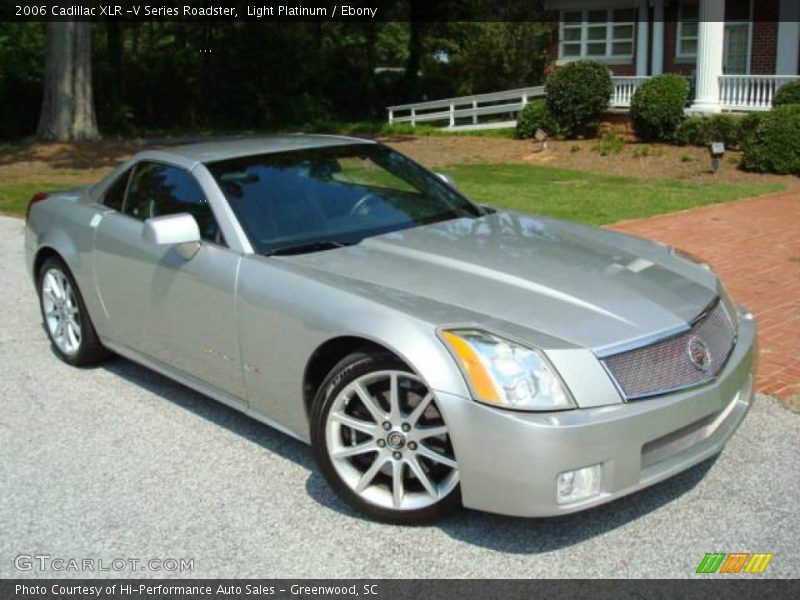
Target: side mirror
{"points": [[448, 179], [174, 230]]}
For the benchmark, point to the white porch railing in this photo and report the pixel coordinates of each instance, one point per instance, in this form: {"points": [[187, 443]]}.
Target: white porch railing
{"points": [[624, 87], [750, 92], [473, 108], [736, 92]]}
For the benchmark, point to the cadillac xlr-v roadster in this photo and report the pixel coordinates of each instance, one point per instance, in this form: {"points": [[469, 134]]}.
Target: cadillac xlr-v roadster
{"points": [[433, 351]]}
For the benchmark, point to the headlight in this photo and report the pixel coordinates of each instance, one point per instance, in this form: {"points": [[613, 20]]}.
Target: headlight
{"points": [[506, 374]]}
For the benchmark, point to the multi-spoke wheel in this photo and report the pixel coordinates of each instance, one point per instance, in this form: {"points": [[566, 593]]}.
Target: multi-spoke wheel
{"points": [[382, 441], [65, 317], [61, 314]]}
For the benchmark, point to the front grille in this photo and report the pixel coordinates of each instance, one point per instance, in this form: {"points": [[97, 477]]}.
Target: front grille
{"points": [[667, 365]]}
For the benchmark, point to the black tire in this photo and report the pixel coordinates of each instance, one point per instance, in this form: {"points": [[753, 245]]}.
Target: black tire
{"points": [[89, 350], [345, 372]]}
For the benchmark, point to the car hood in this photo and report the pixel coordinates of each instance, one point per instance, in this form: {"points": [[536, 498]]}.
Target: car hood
{"points": [[586, 286]]}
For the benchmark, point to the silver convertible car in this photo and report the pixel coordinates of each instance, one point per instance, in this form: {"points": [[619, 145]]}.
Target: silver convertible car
{"points": [[433, 351]]}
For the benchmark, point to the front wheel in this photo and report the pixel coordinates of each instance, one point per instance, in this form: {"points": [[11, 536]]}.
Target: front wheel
{"points": [[381, 441]]}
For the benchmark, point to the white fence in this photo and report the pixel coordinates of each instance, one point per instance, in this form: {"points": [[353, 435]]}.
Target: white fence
{"points": [[471, 108], [751, 92], [736, 92], [624, 87]]}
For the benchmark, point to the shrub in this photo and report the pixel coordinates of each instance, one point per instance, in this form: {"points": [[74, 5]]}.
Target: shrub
{"points": [[787, 94], [701, 131], [657, 107], [774, 144], [692, 131], [576, 95], [609, 144], [747, 126], [724, 128], [533, 116]]}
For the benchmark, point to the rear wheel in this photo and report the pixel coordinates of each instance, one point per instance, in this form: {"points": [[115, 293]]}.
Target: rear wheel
{"points": [[382, 443], [65, 317]]}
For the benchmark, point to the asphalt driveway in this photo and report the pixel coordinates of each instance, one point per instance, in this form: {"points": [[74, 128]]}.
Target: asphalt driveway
{"points": [[119, 462]]}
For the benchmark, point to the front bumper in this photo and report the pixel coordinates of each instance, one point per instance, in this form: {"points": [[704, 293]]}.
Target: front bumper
{"points": [[509, 461]]}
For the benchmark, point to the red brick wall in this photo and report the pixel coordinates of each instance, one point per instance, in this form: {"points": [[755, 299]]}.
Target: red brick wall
{"points": [[625, 70], [621, 70], [671, 64], [765, 35], [763, 52], [763, 58]]}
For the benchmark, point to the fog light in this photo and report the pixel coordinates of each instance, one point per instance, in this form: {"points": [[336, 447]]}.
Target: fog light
{"points": [[580, 484]]}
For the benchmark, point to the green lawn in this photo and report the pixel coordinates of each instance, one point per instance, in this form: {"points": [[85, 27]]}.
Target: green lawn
{"points": [[381, 128], [14, 197], [574, 195], [591, 197]]}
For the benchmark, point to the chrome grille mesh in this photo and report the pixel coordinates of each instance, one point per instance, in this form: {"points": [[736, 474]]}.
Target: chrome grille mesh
{"points": [[667, 365]]}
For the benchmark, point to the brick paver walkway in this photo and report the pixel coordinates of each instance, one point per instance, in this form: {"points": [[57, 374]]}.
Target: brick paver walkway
{"points": [[754, 245]]}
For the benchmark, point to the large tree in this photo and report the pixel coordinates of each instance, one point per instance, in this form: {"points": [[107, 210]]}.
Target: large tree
{"points": [[68, 105]]}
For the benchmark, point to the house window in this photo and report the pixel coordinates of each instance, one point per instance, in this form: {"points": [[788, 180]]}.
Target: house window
{"points": [[597, 34], [687, 30]]}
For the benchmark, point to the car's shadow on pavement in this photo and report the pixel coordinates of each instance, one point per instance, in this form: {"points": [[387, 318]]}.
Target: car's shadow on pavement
{"points": [[504, 534], [252, 430]]}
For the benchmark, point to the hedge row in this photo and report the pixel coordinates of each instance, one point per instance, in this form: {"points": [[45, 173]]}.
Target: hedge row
{"points": [[770, 141], [579, 92]]}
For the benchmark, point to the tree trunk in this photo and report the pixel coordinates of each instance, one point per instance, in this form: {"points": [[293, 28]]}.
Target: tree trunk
{"points": [[68, 105], [414, 59]]}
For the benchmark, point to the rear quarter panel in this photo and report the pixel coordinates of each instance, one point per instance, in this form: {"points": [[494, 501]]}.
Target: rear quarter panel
{"points": [[64, 223]]}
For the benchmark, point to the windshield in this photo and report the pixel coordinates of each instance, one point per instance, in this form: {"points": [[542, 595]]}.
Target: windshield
{"points": [[323, 198]]}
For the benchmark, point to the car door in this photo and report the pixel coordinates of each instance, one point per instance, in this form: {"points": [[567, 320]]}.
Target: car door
{"points": [[180, 312]]}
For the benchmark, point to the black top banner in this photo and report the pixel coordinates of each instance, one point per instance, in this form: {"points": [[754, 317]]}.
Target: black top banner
{"points": [[305, 10], [285, 11]]}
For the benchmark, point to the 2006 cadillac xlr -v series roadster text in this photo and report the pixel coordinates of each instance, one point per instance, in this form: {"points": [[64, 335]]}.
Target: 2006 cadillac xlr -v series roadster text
{"points": [[434, 352]]}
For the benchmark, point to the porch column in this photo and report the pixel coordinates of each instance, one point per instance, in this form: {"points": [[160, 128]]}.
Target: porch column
{"points": [[709, 56], [788, 38], [642, 38], [658, 38]]}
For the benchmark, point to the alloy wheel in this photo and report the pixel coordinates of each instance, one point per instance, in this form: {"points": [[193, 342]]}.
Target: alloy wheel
{"points": [[388, 441], [61, 312]]}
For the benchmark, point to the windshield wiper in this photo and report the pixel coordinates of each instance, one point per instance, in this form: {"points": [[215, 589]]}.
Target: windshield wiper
{"points": [[306, 247]]}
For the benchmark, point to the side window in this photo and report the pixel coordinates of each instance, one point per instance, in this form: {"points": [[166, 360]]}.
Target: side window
{"points": [[115, 194], [157, 190]]}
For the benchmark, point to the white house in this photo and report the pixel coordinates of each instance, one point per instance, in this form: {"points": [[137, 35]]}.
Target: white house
{"points": [[738, 51]]}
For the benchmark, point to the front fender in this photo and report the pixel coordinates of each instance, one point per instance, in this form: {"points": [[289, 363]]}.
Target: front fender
{"points": [[285, 316]]}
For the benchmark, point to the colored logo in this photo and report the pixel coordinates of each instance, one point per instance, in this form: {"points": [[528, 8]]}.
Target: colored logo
{"points": [[734, 562]]}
